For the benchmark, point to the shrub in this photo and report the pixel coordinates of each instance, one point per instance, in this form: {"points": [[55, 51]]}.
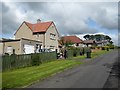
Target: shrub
{"points": [[88, 49], [103, 48], [74, 52], [98, 47], [111, 47], [35, 60], [92, 47]]}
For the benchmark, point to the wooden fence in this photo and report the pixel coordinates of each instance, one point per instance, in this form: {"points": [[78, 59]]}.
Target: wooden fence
{"points": [[17, 61]]}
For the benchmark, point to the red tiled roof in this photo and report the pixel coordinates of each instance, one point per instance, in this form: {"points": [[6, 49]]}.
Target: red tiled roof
{"points": [[39, 27], [73, 39]]}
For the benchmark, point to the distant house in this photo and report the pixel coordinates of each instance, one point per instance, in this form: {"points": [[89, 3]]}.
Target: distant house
{"points": [[89, 42], [72, 40], [45, 32], [102, 43], [95, 43]]}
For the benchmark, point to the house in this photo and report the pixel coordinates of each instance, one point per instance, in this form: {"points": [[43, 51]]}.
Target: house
{"points": [[89, 42], [31, 38], [95, 43], [19, 46], [44, 32], [72, 40], [102, 43]]}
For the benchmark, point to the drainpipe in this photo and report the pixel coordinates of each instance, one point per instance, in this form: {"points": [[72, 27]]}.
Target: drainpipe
{"points": [[44, 42]]}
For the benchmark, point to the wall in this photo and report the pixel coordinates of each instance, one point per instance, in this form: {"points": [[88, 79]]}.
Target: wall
{"points": [[40, 37], [50, 42], [25, 32], [18, 45], [1, 48], [28, 42], [15, 45]]}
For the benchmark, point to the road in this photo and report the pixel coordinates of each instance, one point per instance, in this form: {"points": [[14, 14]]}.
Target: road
{"points": [[92, 74]]}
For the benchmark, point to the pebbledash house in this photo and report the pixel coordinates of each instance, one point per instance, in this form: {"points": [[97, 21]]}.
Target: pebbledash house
{"points": [[31, 38]]}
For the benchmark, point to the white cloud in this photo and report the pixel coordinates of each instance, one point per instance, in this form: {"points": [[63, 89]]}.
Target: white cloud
{"points": [[60, 0]]}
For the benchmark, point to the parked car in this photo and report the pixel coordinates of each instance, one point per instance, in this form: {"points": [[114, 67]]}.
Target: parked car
{"points": [[46, 50]]}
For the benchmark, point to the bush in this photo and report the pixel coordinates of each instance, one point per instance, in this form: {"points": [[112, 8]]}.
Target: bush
{"points": [[98, 47], [92, 47], [35, 60], [111, 47], [103, 48], [74, 52]]}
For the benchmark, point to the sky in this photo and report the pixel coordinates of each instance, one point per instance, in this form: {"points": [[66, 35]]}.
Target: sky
{"points": [[70, 17]]}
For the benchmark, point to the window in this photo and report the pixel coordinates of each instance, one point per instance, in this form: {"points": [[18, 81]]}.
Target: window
{"points": [[9, 49], [77, 44], [37, 34], [52, 36]]}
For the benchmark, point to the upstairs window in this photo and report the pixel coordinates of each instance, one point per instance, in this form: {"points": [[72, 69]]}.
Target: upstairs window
{"points": [[37, 34], [52, 36]]}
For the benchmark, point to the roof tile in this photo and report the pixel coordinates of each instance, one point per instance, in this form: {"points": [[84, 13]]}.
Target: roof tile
{"points": [[73, 39], [39, 27]]}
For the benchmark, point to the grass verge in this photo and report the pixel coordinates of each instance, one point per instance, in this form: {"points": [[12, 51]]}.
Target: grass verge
{"points": [[98, 53], [93, 55], [26, 76]]}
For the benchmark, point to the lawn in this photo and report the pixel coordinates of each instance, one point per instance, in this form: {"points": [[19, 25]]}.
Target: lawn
{"points": [[26, 76], [0, 80], [94, 54], [98, 53]]}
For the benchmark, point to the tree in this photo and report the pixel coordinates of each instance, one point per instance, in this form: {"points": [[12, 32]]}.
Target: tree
{"points": [[62, 41], [87, 37], [111, 42], [98, 37], [92, 37], [107, 38]]}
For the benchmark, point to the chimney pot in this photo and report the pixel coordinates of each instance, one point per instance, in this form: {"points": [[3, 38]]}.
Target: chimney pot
{"points": [[38, 20]]}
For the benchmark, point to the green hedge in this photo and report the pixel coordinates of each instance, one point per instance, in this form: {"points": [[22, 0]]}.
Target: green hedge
{"points": [[18, 61], [72, 52]]}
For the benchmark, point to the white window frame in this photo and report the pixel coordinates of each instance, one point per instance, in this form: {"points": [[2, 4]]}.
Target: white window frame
{"points": [[52, 36]]}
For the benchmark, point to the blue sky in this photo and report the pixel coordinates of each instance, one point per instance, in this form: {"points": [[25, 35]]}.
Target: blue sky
{"points": [[93, 24], [70, 18]]}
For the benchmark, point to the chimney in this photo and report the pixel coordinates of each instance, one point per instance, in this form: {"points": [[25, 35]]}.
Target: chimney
{"points": [[38, 20]]}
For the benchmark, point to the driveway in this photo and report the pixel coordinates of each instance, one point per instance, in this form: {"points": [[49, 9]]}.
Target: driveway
{"points": [[92, 74]]}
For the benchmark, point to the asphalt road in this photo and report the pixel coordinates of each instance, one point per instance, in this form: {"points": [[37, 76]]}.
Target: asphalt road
{"points": [[93, 74]]}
